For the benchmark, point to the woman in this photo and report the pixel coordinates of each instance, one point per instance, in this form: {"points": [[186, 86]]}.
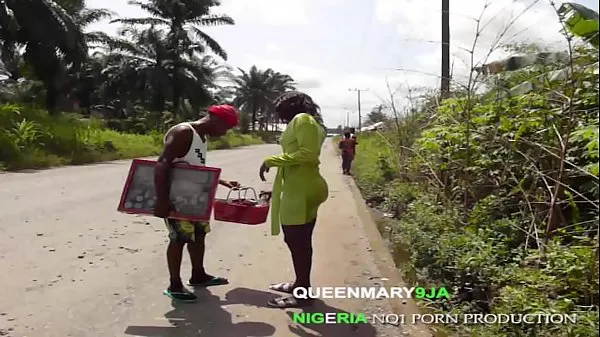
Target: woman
{"points": [[299, 188]]}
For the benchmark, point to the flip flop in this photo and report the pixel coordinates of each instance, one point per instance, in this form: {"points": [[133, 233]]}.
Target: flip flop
{"points": [[284, 287], [289, 302], [181, 296], [215, 281]]}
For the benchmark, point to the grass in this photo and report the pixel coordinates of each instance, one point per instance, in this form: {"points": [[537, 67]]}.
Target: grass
{"points": [[372, 162], [30, 138]]}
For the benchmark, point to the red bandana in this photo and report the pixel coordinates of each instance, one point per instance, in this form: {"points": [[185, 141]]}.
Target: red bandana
{"points": [[227, 113]]}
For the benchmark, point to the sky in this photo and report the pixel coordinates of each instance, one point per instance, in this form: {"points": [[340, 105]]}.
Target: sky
{"points": [[388, 48]]}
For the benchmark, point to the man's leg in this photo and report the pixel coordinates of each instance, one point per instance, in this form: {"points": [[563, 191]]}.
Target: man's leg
{"points": [[197, 249], [174, 257], [178, 236]]}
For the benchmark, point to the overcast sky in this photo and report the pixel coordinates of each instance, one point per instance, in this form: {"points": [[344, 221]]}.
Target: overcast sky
{"points": [[330, 46]]}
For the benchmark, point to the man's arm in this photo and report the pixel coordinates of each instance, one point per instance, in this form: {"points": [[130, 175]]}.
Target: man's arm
{"points": [[176, 145], [226, 183]]}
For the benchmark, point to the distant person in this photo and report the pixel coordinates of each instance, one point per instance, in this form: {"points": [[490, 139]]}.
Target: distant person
{"points": [[353, 134], [348, 147], [188, 143], [299, 188]]}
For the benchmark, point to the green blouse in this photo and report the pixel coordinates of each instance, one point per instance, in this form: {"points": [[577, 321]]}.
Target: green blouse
{"points": [[299, 189]]}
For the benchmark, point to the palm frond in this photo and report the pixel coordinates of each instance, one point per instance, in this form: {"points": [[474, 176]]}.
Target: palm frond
{"points": [[213, 20], [142, 21], [150, 8], [99, 38], [88, 16], [48, 22], [210, 42]]}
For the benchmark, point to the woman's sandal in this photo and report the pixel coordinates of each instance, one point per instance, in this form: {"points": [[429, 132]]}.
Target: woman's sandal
{"points": [[287, 288], [289, 302]]}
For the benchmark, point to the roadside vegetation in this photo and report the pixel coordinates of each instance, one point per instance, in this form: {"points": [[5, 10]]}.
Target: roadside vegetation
{"points": [[69, 95], [493, 193]]}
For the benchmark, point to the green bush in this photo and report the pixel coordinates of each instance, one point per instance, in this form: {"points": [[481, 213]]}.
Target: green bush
{"points": [[482, 257], [30, 138], [267, 136], [234, 139], [471, 193]]}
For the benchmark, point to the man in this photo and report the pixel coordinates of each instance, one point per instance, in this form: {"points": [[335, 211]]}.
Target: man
{"points": [[188, 142], [348, 147]]}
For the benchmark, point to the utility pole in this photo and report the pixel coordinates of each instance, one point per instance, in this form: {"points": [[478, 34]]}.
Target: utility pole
{"points": [[445, 85], [359, 111], [347, 119]]}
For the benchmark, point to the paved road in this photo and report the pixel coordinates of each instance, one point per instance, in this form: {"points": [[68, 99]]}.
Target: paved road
{"points": [[72, 266]]}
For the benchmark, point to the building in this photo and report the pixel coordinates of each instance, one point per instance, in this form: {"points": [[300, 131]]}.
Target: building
{"points": [[373, 127]]}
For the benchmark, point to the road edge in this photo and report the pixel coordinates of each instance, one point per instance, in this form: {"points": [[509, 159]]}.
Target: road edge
{"points": [[385, 264], [105, 162]]}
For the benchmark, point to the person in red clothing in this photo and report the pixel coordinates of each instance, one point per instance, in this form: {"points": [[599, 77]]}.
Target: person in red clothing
{"points": [[348, 147]]}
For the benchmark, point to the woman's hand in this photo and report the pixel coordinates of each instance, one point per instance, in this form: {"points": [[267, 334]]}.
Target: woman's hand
{"points": [[263, 168]]}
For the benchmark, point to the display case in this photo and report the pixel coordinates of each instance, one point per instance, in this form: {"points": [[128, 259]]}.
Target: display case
{"points": [[192, 194]]}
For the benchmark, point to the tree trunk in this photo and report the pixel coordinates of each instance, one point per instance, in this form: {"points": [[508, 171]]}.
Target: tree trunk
{"points": [[253, 118], [176, 100], [159, 102], [176, 90], [51, 98]]}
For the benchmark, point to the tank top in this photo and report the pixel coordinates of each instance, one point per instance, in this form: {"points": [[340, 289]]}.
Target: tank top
{"points": [[196, 154]]}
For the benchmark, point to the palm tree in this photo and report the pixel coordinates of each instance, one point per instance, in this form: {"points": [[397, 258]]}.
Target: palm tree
{"points": [[51, 38], [183, 19], [82, 83], [143, 68], [280, 84], [256, 89], [184, 37]]}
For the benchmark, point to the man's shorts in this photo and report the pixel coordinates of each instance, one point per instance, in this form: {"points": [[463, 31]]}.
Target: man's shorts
{"points": [[183, 231]]}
